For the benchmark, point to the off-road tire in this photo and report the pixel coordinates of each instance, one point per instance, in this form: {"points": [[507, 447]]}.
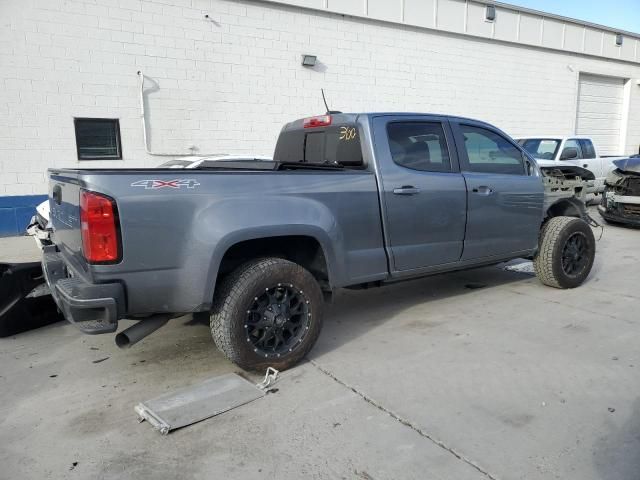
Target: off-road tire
{"points": [[548, 262], [238, 290]]}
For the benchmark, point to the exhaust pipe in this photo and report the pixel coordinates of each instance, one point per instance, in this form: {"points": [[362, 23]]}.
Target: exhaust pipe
{"points": [[143, 328]]}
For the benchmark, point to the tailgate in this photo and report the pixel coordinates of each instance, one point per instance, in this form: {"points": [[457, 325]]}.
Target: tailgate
{"points": [[64, 199]]}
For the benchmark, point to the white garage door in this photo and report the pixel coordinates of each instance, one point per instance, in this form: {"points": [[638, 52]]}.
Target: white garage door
{"points": [[600, 102]]}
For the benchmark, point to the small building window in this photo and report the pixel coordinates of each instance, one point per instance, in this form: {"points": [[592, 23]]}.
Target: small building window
{"points": [[98, 138], [490, 13]]}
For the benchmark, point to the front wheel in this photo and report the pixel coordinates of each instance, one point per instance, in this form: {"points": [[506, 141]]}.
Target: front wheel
{"points": [[267, 313], [566, 252]]}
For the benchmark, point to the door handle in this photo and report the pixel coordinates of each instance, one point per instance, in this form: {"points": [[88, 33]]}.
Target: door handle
{"points": [[406, 190], [483, 190], [57, 194]]}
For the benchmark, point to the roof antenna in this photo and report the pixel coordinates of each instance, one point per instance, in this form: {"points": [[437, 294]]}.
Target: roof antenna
{"points": [[329, 112]]}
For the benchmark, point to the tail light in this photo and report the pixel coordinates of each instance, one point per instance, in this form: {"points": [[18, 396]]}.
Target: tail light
{"points": [[99, 226], [319, 121]]}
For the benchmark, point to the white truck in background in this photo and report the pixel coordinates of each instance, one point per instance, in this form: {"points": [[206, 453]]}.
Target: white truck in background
{"points": [[576, 150]]}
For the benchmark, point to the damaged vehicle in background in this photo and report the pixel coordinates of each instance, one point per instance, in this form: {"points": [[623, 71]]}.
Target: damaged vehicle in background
{"points": [[621, 198], [575, 150]]}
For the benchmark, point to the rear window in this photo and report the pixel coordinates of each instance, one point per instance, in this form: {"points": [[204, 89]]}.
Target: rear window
{"points": [[334, 144], [588, 151]]}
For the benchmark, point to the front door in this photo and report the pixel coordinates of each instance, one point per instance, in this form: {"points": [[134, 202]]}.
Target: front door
{"points": [[505, 196], [423, 192]]}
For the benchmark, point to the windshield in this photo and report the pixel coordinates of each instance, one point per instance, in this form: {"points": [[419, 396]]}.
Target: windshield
{"points": [[543, 148]]}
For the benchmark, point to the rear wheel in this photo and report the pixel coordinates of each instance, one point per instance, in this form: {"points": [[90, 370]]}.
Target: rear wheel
{"points": [[267, 313], [566, 252]]}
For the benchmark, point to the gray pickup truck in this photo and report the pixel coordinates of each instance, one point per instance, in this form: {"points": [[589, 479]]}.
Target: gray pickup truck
{"points": [[349, 200]]}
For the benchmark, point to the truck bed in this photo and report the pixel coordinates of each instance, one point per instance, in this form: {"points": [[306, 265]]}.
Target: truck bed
{"points": [[170, 220]]}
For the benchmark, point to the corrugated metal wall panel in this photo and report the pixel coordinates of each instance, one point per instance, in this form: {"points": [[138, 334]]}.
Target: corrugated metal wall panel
{"points": [[600, 109]]}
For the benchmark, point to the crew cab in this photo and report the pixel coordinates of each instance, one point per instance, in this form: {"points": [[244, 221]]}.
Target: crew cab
{"points": [[349, 200], [576, 150]]}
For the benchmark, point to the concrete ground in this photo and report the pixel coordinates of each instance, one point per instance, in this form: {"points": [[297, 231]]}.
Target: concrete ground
{"points": [[474, 375]]}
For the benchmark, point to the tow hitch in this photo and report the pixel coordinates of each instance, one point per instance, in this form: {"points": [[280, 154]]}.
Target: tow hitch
{"points": [[25, 300]]}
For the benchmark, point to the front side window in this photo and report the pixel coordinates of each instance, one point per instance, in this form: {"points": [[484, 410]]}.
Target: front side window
{"points": [[98, 139], [489, 152], [419, 146], [542, 148]]}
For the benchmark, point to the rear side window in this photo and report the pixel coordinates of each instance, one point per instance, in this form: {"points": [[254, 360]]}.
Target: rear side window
{"points": [[489, 152], [419, 146], [588, 150], [338, 143]]}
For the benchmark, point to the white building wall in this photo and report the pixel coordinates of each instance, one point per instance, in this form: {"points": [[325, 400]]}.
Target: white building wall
{"points": [[227, 83]]}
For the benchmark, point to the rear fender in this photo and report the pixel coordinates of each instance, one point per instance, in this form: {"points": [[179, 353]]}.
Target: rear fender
{"points": [[273, 217]]}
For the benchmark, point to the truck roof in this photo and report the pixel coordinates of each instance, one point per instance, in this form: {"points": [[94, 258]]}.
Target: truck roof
{"points": [[351, 117], [552, 137]]}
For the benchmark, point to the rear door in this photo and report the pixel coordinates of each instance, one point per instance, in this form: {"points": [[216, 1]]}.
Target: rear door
{"points": [[422, 191], [505, 197]]}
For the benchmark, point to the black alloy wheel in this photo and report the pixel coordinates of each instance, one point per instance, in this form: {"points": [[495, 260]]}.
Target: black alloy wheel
{"points": [[278, 320]]}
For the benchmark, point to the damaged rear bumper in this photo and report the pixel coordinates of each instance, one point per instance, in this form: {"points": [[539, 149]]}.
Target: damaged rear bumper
{"points": [[93, 308]]}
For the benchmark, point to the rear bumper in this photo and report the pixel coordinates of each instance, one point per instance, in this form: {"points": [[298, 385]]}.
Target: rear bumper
{"points": [[93, 308]]}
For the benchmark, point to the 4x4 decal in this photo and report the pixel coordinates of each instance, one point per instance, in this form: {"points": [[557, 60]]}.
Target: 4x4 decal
{"points": [[156, 184]]}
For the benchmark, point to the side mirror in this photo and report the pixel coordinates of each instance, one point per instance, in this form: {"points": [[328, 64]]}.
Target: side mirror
{"points": [[569, 153]]}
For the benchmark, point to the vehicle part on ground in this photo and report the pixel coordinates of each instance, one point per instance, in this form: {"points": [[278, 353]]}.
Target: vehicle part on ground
{"points": [[566, 254], [142, 329], [25, 302], [268, 312], [270, 376], [621, 199], [198, 402], [522, 266]]}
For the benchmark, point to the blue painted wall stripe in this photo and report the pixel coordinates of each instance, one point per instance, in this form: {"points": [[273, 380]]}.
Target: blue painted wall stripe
{"points": [[16, 212]]}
